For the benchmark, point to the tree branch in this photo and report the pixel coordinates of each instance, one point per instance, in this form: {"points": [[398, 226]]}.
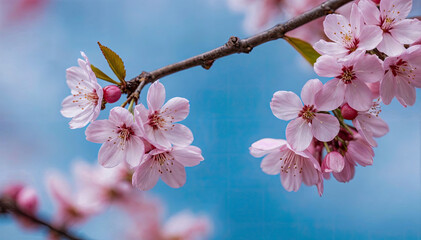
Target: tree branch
{"points": [[7, 205], [234, 45]]}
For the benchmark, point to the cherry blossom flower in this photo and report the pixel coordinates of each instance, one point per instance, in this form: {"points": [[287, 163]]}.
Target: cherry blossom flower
{"points": [[403, 75], [390, 19], [294, 166], [358, 152], [72, 208], [350, 77], [347, 35], [167, 164], [121, 138], [308, 121], [370, 125], [84, 105], [159, 121]]}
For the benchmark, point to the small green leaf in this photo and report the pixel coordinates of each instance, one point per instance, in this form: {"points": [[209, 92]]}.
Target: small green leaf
{"points": [[114, 61], [101, 75], [304, 48]]}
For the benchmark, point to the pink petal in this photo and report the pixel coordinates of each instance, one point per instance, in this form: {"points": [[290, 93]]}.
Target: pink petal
{"points": [[146, 175], [173, 174], [188, 156], [309, 91], [310, 175], [176, 109], [387, 88], [70, 108], [324, 127], [369, 69], [299, 134], [405, 93], [370, 12], [271, 164], [179, 135], [406, 31], [330, 48], [156, 96], [134, 151], [374, 124], [156, 137], [390, 46], [360, 152], [291, 181], [370, 37], [110, 154], [398, 9], [356, 20], [364, 131], [119, 115], [335, 26], [331, 96], [58, 188], [83, 118], [327, 66], [358, 95], [346, 174], [265, 146], [333, 162], [285, 105], [100, 131]]}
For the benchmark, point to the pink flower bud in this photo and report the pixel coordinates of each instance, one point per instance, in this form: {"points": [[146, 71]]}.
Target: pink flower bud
{"points": [[112, 93], [376, 1], [27, 200], [13, 190], [348, 112], [333, 162]]}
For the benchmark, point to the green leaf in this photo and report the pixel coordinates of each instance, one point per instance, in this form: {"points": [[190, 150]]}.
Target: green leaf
{"points": [[114, 61], [101, 75], [304, 48]]}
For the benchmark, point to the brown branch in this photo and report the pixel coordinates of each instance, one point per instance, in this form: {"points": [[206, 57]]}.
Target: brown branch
{"points": [[234, 45], [7, 205]]}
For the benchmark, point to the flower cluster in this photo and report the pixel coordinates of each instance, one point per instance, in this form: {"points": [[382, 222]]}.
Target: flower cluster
{"points": [[149, 140], [373, 56]]}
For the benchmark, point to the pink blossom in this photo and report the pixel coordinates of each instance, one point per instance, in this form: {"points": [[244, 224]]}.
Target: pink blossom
{"points": [[348, 112], [72, 208], [121, 138], [84, 104], [403, 75], [294, 166], [358, 152], [333, 162], [350, 77], [167, 164], [370, 125], [112, 93], [160, 120], [390, 19], [347, 35], [308, 121]]}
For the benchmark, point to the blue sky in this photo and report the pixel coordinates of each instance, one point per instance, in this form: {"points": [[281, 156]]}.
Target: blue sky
{"points": [[229, 111]]}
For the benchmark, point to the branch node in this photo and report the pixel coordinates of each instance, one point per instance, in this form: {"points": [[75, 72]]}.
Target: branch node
{"points": [[207, 64], [327, 9]]}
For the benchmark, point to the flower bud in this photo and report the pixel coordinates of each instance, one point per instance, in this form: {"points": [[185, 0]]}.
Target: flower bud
{"points": [[27, 200], [348, 112], [333, 162], [112, 93]]}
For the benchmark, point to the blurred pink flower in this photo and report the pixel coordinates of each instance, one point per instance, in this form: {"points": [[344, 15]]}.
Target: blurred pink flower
{"points": [[307, 120], [167, 164], [84, 104], [121, 138], [390, 20], [159, 120], [294, 166]]}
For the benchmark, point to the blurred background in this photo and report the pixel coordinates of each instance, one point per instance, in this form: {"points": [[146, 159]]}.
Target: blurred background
{"points": [[229, 111]]}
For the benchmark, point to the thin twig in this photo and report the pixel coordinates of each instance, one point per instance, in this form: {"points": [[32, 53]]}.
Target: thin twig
{"points": [[236, 45], [7, 205]]}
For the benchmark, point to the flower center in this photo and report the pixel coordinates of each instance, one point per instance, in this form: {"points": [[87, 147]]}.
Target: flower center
{"points": [[386, 24], [308, 113], [92, 97], [124, 134], [156, 121], [164, 160], [404, 70], [347, 75]]}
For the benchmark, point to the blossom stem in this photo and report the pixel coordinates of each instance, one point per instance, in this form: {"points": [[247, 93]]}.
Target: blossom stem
{"points": [[131, 105], [236, 45], [327, 147], [7, 205]]}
